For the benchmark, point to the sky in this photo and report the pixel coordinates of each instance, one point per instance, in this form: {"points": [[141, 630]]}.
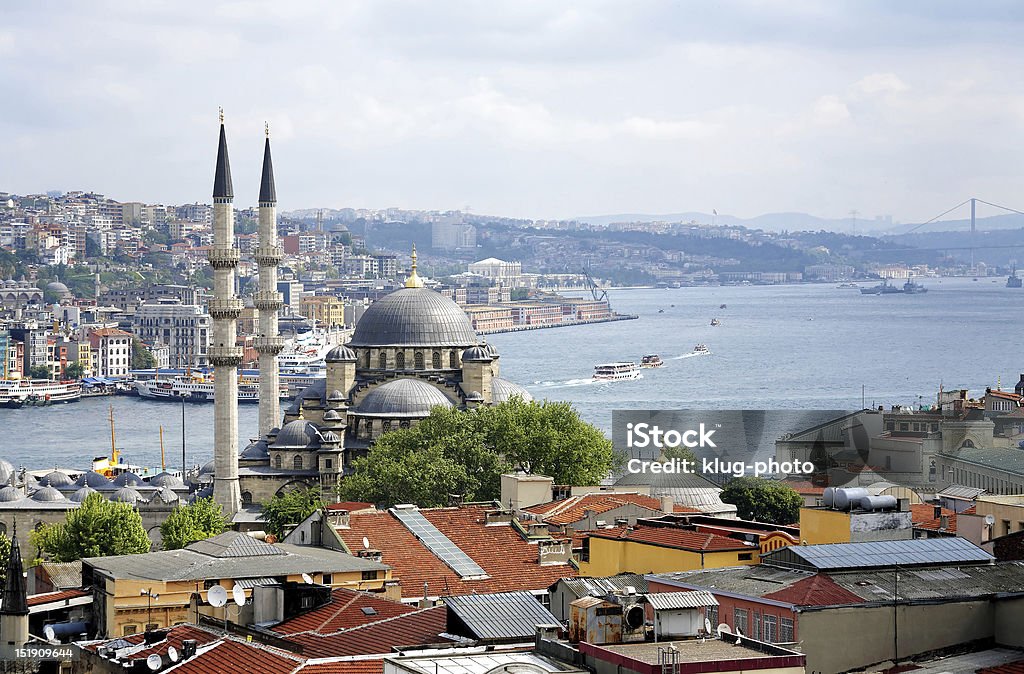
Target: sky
{"points": [[535, 109]]}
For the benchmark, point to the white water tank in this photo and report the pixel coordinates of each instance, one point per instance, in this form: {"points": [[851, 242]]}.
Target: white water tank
{"points": [[845, 499], [878, 502]]}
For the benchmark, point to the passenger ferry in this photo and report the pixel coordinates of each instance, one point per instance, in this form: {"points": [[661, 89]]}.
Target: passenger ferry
{"points": [[196, 390], [615, 371], [652, 360], [19, 392], [715, 322], [701, 350]]}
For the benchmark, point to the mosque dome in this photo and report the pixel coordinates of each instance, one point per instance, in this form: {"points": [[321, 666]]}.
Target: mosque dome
{"points": [[341, 354], [257, 449], [414, 317], [331, 415], [6, 470], [331, 436], [402, 398], [336, 396], [503, 389], [165, 479], [9, 493], [57, 288], [205, 492], [476, 354], [48, 494], [92, 479], [207, 468], [56, 478], [167, 495], [127, 495], [82, 493], [298, 434], [128, 479], [491, 350]]}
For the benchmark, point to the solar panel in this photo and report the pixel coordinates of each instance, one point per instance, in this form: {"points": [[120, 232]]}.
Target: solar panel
{"points": [[438, 543], [882, 553]]}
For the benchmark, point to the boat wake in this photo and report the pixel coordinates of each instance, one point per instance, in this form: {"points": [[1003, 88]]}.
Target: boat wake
{"points": [[687, 355], [568, 384]]}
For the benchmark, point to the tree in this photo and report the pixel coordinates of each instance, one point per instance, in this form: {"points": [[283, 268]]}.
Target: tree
{"points": [[290, 508], [757, 498], [142, 359], [74, 370], [39, 372], [193, 522], [98, 528], [465, 453], [5, 554]]}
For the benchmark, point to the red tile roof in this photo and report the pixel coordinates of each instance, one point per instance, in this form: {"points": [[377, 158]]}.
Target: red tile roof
{"points": [[174, 637], [923, 517], [817, 590], [511, 562], [344, 667], [230, 656], [420, 628], [573, 509], [60, 595], [344, 611], [1009, 668], [351, 506], [671, 537]]}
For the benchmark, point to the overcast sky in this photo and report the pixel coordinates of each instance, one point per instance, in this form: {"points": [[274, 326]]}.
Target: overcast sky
{"points": [[534, 109]]}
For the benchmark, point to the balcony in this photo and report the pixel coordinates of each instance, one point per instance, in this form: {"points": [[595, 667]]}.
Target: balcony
{"points": [[268, 300], [225, 308], [268, 256], [225, 355], [223, 258]]}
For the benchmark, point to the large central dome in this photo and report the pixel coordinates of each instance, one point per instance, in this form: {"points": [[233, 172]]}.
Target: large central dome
{"points": [[414, 317]]}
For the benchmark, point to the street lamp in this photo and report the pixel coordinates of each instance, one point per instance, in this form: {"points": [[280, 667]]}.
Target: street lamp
{"points": [[150, 597]]}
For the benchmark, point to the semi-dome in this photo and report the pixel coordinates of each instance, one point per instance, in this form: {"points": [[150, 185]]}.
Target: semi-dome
{"points": [[298, 434], [491, 350], [340, 354], [331, 437], [127, 495], [56, 478], [165, 479], [47, 495], [503, 389], [92, 479], [82, 494], [167, 495], [476, 354], [257, 449], [9, 493], [128, 479], [336, 396], [402, 398], [414, 317]]}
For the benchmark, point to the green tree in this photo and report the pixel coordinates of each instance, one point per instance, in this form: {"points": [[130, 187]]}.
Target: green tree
{"points": [[39, 372], [290, 508], [142, 359], [74, 370], [5, 553], [193, 522], [96, 529], [757, 498]]}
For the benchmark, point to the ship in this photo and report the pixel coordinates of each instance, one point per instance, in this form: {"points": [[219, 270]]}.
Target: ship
{"points": [[715, 321], [701, 350], [883, 288], [616, 371], [1014, 281], [16, 393], [911, 288], [651, 360], [196, 390]]}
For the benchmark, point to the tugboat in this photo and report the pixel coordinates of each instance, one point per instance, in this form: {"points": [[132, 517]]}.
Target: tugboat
{"points": [[616, 371], [651, 360], [1014, 281]]}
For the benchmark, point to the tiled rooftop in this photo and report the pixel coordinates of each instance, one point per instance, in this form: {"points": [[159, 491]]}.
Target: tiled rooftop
{"points": [[818, 590], [347, 609], [419, 628], [573, 509], [923, 517], [671, 537], [60, 595]]}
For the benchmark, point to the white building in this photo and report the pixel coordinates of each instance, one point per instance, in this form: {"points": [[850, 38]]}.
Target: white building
{"points": [[111, 352], [498, 271], [183, 328]]}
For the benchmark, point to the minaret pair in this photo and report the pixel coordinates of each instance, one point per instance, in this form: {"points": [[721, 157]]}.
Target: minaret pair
{"points": [[225, 307]]}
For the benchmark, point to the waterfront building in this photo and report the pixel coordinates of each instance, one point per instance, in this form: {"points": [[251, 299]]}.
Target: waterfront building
{"points": [[111, 350], [491, 318], [183, 328], [326, 310]]}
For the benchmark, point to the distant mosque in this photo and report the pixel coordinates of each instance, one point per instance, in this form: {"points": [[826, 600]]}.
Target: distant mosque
{"points": [[411, 351]]}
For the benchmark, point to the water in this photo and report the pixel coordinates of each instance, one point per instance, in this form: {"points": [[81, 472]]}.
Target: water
{"points": [[788, 347]]}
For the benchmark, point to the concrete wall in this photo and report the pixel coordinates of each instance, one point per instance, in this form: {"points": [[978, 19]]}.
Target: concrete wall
{"points": [[1009, 619]]}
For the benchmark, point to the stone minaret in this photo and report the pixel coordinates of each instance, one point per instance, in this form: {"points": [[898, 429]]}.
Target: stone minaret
{"points": [[268, 300], [225, 354], [14, 611]]}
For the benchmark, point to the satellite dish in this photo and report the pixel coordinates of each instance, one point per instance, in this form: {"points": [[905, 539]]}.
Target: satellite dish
{"points": [[153, 662], [707, 625], [723, 629], [990, 520], [217, 596], [238, 594], [49, 634], [172, 653], [308, 579], [366, 543]]}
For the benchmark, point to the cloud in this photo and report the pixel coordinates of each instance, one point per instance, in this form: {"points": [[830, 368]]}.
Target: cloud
{"points": [[829, 110], [880, 83]]}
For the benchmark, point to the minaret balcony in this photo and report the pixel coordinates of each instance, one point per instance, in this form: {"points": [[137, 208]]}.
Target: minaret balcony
{"points": [[271, 345], [223, 258], [268, 256], [268, 300], [230, 307], [225, 355]]}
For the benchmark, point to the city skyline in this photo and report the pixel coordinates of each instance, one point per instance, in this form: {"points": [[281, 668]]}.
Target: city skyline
{"points": [[526, 110]]}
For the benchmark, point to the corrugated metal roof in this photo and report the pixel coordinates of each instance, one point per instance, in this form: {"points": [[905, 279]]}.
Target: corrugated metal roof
{"points": [[597, 587], [665, 601], [916, 552], [508, 615], [247, 583], [961, 491]]}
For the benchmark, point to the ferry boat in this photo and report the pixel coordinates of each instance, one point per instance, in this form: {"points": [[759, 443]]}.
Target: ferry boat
{"points": [[616, 371], [196, 390], [16, 393], [715, 321], [651, 360], [701, 350]]}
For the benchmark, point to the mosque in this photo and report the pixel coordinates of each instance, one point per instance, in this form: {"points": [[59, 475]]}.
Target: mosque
{"points": [[411, 351]]}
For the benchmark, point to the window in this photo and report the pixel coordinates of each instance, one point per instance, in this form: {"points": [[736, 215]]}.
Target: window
{"points": [[741, 620], [385, 426], [306, 602], [297, 463], [400, 361], [436, 360], [207, 584], [129, 629], [770, 634], [712, 615], [453, 361], [382, 361], [746, 556], [418, 360], [246, 498], [786, 630], [369, 575], [327, 579], [757, 625], [328, 464], [278, 462], [1006, 527]]}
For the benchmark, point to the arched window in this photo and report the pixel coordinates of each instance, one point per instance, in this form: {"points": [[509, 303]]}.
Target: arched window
{"points": [[400, 360], [403, 424], [382, 361], [278, 463], [418, 360], [246, 498], [297, 463], [385, 426], [453, 361], [366, 359], [436, 364], [968, 443]]}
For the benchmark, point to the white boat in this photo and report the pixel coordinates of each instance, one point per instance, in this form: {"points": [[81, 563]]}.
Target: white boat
{"points": [[701, 350], [616, 371], [20, 392], [651, 360], [194, 390]]}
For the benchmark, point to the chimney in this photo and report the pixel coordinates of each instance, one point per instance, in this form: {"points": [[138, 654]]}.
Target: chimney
{"points": [[372, 555], [188, 648], [938, 512], [944, 522], [667, 505]]}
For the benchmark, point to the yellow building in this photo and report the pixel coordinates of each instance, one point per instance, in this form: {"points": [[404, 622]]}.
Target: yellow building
{"points": [[326, 310], [823, 525], [133, 593], [659, 550]]}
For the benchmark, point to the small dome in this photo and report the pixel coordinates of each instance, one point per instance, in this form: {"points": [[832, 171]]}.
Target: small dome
{"points": [[330, 437], [167, 495], [56, 479], [165, 479], [341, 354], [336, 396], [491, 350], [127, 495], [48, 495], [205, 492], [207, 468], [332, 415], [92, 479], [298, 434], [503, 389], [403, 398], [128, 479], [81, 494], [257, 449], [57, 288], [9, 493], [476, 354], [474, 395]]}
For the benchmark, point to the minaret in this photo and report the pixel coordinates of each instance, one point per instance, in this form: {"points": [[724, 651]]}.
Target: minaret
{"points": [[225, 354], [268, 300], [14, 611]]}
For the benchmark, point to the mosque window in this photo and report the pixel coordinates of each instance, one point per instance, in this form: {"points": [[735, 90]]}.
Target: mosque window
{"points": [[400, 360], [382, 361], [437, 360], [403, 424], [297, 463], [453, 361], [278, 463], [246, 498], [385, 426], [418, 360]]}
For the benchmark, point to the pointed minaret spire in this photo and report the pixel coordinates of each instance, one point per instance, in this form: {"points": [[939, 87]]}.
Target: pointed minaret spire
{"points": [[15, 600], [268, 193], [414, 280], [222, 187]]}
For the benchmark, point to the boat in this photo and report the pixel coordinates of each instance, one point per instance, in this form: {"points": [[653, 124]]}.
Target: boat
{"points": [[848, 285], [883, 288], [651, 360], [701, 350], [1014, 281], [715, 321], [721, 306], [616, 371], [16, 393], [912, 288], [196, 390]]}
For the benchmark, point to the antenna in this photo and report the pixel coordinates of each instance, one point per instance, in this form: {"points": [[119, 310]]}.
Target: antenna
{"points": [[723, 629], [217, 596], [172, 653], [238, 594], [153, 662], [306, 578], [366, 543]]}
